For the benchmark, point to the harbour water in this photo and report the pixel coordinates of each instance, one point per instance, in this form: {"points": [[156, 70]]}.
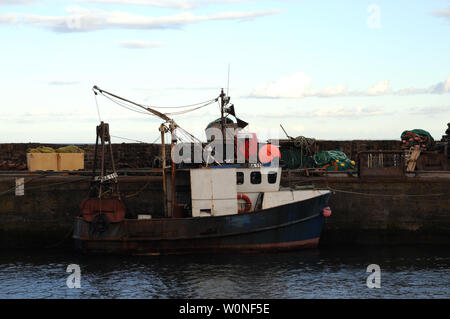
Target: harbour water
{"points": [[406, 272]]}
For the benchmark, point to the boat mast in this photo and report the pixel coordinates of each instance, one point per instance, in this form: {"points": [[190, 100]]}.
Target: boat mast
{"points": [[172, 166], [224, 100], [222, 118], [163, 130]]}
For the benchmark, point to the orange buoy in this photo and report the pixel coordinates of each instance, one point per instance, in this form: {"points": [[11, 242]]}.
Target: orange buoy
{"points": [[268, 152]]}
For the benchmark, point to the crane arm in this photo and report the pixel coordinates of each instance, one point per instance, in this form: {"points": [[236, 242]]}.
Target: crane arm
{"points": [[154, 112]]}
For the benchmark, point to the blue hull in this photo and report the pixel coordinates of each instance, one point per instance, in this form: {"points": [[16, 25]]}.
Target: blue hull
{"points": [[292, 226]]}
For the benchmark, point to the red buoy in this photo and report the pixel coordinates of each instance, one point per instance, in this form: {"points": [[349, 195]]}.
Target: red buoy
{"points": [[326, 211], [268, 152]]}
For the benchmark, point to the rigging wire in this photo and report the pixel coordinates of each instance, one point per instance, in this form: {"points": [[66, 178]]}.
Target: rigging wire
{"points": [[47, 185], [190, 135], [188, 138], [228, 84], [125, 106], [181, 106], [154, 112], [220, 106], [190, 110], [196, 140], [129, 139], [159, 136], [98, 109], [25, 181], [131, 108]]}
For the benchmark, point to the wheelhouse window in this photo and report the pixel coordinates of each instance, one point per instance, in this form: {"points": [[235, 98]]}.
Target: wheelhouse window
{"points": [[272, 177], [255, 177], [239, 178]]}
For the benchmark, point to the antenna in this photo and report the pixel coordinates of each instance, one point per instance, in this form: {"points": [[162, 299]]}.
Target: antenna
{"points": [[228, 84]]}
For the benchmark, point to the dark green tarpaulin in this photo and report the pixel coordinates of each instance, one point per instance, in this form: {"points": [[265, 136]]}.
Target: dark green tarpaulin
{"points": [[331, 158]]}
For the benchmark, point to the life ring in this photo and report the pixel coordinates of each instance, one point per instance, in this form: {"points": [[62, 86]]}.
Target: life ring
{"points": [[248, 203], [100, 224]]}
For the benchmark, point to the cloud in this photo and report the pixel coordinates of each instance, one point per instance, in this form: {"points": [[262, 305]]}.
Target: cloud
{"points": [[326, 112], [299, 85], [380, 88], [173, 4], [348, 112], [16, 1], [8, 19], [441, 87], [430, 110], [337, 90], [51, 116], [63, 82], [443, 13], [438, 88], [294, 86], [137, 44], [84, 19]]}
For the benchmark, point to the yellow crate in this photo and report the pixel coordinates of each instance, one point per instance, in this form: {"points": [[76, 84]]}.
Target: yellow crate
{"points": [[70, 161], [42, 161]]}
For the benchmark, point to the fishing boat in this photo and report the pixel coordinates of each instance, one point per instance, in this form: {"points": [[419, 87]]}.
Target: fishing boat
{"points": [[216, 206]]}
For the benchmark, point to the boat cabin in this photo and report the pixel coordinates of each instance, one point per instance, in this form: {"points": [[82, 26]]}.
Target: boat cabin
{"points": [[228, 191]]}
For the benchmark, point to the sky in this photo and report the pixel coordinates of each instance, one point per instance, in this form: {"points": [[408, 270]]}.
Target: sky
{"points": [[323, 69]]}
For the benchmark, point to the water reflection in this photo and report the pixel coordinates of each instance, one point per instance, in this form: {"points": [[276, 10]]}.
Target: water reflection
{"points": [[406, 273]]}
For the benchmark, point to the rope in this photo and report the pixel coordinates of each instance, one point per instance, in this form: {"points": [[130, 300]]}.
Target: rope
{"points": [[304, 143], [40, 186], [141, 190], [383, 195]]}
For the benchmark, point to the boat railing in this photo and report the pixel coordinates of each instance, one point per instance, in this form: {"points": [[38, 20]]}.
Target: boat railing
{"points": [[381, 163]]}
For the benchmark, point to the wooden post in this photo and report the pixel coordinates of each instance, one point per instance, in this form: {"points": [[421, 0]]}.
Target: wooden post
{"points": [[162, 129], [172, 130]]}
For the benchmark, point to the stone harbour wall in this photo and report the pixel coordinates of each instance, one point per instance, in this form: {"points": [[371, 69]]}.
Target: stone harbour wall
{"points": [[142, 155], [388, 215]]}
